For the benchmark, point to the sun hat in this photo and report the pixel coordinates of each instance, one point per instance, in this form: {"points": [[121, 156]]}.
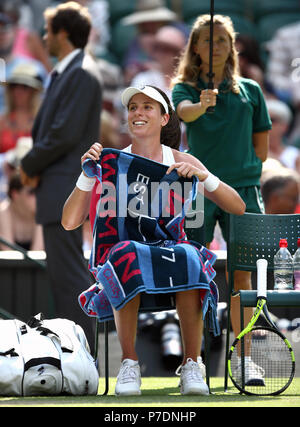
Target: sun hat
{"points": [[146, 90], [26, 74], [150, 11]]}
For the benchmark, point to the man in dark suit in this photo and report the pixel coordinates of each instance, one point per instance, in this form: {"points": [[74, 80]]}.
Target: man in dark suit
{"points": [[66, 125]]}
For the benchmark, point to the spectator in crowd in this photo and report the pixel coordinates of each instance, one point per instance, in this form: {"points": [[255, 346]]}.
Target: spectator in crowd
{"points": [[17, 217], [23, 95], [280, 191], [26, 43], [100, 31], [36, 19], [233, 140], [283, 70], [9, 59], [149, 17], [10, 162], [281, 116], [22, 99], [112, 79], [169, 43], [250, 63], [67, 122]]}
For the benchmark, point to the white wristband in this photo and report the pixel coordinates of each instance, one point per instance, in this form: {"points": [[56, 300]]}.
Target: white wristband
{"points": [[85, 183], [211, 183]]}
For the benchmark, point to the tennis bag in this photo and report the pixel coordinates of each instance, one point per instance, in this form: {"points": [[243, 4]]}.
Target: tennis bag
{"points": [[45, 357]]}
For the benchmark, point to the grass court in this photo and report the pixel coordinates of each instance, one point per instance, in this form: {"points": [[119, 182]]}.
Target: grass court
{"points": [[160, 393]]}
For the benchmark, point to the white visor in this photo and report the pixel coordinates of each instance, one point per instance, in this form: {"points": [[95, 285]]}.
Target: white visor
{"points": [[146, 90]]}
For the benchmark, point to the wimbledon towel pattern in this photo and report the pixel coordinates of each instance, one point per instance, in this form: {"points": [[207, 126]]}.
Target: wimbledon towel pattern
{"points": [[139, 242]]}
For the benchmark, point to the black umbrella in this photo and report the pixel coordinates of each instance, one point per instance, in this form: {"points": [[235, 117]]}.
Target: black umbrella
{"points": [[210, 73]]}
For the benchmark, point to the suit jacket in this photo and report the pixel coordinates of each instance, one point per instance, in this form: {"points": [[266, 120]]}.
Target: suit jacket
{"points": [[66, 125]]}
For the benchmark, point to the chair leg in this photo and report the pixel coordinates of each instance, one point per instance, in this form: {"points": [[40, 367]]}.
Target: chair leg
{"points": [[106, 363], [227, 343], [207, 349], [96, 342]]}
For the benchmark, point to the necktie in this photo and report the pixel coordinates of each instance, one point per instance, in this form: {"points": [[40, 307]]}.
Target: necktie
{"points": [[53, 76]]}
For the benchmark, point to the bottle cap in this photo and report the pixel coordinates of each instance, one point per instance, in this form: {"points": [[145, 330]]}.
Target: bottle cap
{"points": [[283, 243]]}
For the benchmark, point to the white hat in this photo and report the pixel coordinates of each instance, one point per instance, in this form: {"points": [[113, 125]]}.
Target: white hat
{"points": [[146, 90], [279, 109], [26, 74], [150, 11]]}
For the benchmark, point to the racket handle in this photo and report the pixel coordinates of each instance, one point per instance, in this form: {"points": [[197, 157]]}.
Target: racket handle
{"points": [[262, 265], [210, 85]]}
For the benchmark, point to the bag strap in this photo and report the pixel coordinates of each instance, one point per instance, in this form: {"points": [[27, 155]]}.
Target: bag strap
{"points": [[36, 323], [10, 353], [42, 360], [66, 350], [23, 330], [45, 331]]}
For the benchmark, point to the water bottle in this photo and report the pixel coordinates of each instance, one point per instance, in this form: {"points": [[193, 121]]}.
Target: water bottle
{"points": [[296, 265], [283, 267]]}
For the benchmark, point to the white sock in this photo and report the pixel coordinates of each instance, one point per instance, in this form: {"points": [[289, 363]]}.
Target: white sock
{"points": [[247, 359]]}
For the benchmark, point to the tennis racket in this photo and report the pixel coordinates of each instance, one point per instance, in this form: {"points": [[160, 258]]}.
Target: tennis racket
{"points": [[261, 360]]}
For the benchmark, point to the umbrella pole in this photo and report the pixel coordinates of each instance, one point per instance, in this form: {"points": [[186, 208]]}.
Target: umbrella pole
{"points": [[210, 73]]}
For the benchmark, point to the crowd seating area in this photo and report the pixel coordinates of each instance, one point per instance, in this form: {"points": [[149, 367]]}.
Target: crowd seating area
{"points": [[255, 18]]}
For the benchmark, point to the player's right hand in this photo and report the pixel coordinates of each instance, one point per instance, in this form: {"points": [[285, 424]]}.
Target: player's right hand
{"points": [[93, 153]]}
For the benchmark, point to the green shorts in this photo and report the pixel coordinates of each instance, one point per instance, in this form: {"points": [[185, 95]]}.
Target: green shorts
{"points": [[212, 213]]}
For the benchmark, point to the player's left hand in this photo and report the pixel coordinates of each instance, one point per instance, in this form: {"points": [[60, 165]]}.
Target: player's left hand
{"points": [[187, 170]]}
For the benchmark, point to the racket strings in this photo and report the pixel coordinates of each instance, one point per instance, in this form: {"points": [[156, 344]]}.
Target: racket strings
{"points": [[269, 368]]}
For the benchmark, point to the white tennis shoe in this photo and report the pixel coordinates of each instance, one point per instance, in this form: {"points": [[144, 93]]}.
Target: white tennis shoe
{"points": [[128, 379], [191, 379], [254, 374]]}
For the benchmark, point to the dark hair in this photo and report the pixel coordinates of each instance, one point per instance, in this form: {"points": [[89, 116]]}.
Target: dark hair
{"points": [[274, 184], [250, 49], [72, 18], [171, 133], [14, 184]]}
